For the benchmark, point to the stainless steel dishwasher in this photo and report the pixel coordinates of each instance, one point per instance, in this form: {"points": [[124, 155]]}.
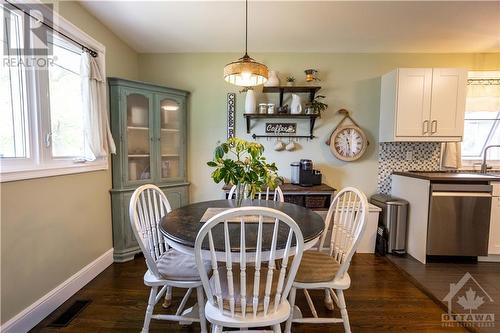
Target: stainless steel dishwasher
{"points": [[459, 219]]}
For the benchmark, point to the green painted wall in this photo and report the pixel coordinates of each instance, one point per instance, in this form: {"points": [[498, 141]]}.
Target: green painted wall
{"points": [[53, 227], [350, 81]]}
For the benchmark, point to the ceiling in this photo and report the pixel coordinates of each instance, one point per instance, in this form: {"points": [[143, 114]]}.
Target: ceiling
{"points": [[304, 26]]}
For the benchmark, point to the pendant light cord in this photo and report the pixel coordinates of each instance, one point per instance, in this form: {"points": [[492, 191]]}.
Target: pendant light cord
{"points": [[246, 28]]}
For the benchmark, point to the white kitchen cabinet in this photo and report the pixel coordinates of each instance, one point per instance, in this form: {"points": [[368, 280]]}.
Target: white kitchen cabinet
{"points": [[423, 104], [494, 242]]}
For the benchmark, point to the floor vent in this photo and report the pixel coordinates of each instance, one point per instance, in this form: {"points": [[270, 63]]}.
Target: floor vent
{"points": [[71, 313]]}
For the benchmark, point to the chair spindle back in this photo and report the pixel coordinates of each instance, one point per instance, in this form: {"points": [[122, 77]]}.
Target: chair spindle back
{"points": [[348, 213], [271, 281], [148, 206], [275, 195]]}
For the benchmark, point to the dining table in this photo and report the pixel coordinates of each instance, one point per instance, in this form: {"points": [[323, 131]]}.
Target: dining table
{"points": [[181, 226]]}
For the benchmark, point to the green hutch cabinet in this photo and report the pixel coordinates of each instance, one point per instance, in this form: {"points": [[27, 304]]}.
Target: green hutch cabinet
{"points": [[149, 125]]}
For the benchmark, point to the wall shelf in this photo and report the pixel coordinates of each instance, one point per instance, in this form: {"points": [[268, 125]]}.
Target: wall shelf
{"points": [[292, 89], [312, 120]]}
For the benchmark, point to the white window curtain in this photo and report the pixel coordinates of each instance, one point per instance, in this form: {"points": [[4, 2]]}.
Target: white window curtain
{"points": [[483, 91], [97, 132], [483, 97]]}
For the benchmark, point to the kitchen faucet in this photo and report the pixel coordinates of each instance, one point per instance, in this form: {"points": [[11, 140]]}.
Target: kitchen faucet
{"points": [[484, 166]]}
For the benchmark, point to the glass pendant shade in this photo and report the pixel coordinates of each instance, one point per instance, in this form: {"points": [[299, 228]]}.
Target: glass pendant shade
{"points": [[246, 72]]}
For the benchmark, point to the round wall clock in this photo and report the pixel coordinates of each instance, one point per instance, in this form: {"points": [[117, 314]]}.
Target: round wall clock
{"points": [[348, 143]]}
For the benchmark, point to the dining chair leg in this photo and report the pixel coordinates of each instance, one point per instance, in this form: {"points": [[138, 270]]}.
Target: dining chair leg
{"points": [[201, 308], [217, 329], [343, 311], [328, 300], [291, 300], [168, 298], [277, 328], [149, 309]]}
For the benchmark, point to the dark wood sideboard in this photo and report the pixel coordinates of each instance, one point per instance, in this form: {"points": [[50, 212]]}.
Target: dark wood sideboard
{"points": [[317, 197]]}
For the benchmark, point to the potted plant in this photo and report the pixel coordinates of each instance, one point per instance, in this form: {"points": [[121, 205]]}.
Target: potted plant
{"points": [[241, 163], [316, 106], [290, 81]]}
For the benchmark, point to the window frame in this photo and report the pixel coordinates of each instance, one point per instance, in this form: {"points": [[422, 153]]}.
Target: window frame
{"points": [[40, 163]]}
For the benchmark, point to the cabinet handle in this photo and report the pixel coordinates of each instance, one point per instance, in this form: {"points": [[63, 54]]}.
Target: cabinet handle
{"points": [[434, 126], [425, 127]]}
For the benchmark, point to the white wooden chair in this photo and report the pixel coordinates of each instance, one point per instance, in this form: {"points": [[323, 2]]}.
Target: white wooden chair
{"points": [[249, 288], [167, 268], [276, 195], [326, 268]]}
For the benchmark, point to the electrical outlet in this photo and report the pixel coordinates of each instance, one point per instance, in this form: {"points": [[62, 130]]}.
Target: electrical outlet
{"points": [[409, 156]]}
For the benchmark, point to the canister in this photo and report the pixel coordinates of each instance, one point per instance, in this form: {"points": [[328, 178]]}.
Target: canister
{"points": [[295, 168], [262, 108]]}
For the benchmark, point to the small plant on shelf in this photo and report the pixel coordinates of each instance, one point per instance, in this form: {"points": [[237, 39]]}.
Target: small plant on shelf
{"points": [[241, 163], [316, 106], [290, 81]]}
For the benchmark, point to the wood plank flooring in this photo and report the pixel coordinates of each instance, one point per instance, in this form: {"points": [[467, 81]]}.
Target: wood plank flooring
{"points": [[380, 299], [434, 278]]}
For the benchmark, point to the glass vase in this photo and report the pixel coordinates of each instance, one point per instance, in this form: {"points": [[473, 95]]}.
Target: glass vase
{"points": [[240, 194]]}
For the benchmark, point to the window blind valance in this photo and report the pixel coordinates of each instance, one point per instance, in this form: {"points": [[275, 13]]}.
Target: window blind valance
{"points": [[483, 92]]}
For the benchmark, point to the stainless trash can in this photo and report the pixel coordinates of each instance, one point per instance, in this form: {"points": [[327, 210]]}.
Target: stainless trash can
{"points": [[392, 223]]}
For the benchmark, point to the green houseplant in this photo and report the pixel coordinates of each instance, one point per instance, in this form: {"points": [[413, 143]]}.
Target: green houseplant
{"points": [[241, 163], [316, 106]]}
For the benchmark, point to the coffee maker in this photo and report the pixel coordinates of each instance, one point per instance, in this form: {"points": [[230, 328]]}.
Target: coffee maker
{"points": [[307, 175]]}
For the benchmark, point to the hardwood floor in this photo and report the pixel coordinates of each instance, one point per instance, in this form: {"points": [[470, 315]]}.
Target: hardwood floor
{"points": [[380, 299], [434, 278]]}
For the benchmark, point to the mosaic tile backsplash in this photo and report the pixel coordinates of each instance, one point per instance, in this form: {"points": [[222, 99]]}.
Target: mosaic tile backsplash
{"points": [[405, 156]]}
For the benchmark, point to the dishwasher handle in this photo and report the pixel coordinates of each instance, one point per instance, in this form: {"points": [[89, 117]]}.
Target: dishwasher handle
{"points": [[462, 188], [462, 194]]}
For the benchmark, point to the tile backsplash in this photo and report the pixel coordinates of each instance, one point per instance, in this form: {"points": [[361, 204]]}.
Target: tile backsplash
{"points": [[405, 156]]}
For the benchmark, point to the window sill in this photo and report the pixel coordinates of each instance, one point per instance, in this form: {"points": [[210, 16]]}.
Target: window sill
{"points": [[7, 176]]}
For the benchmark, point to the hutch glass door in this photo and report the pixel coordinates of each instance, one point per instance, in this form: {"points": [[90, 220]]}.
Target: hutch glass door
{"points": [[138, 138], [171, 138]]}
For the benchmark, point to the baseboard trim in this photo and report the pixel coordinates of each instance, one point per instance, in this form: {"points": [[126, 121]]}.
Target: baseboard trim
{"points": [[490, 258], [36, 312]]}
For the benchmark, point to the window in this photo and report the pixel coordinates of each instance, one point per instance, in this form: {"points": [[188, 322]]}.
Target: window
{"points": [[14, 135], [482, 118], [481, 129], [41, 110], [66, 137]]}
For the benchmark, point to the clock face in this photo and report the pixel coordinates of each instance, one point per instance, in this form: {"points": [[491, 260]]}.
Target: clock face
{"points": [[348, 143]]}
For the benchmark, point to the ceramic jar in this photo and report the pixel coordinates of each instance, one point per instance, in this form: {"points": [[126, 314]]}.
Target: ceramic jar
{"points": [[272, 80], [296, 105], [250, 102]]}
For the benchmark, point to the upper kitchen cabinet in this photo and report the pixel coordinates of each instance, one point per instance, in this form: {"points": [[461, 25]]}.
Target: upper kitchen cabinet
{"points": [[423, 104]]}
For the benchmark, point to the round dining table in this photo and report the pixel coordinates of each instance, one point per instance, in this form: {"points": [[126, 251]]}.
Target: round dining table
{"points": [[181, 226]]}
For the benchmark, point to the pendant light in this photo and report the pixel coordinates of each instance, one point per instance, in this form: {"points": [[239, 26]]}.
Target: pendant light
{"points": [[245, 71]]}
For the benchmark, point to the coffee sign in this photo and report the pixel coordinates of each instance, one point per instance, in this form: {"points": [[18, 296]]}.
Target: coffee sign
{"points": [[281, 128]]}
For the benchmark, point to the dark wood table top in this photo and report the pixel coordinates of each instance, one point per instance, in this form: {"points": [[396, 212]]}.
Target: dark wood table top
{"points": [[181, 225]]}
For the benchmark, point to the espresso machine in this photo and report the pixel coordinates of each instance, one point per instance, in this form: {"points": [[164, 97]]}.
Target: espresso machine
{"points": [[303, 174]]}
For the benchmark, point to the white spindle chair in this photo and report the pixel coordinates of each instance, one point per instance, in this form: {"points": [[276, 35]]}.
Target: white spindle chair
{"points": [[167, 268], [276, 195], [249, 288], [326, 267]]}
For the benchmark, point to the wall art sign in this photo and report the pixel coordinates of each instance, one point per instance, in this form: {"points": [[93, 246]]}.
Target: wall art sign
{"points": [[231, 115], [281, 128]]}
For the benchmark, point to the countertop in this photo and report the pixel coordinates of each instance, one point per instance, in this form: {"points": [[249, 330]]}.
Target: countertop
{"points": [[449, 176]]}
